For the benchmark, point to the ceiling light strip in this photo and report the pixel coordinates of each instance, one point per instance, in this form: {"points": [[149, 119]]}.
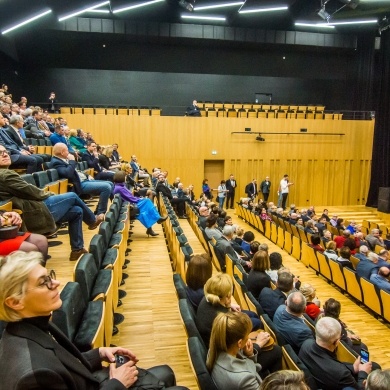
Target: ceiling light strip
{"points": [[130, 7], [372, 21], [224, 5], [99, 11], [317, 25], [91, 8], [27, 21], [217, 18], [255, 10]]}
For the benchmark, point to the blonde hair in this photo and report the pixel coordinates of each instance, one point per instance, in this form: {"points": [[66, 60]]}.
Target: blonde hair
{"points": [[228, 329], [108, 151], [14, 271], [308, 291], [217, 287], [73, 133], [285, 380], [125, 167]]}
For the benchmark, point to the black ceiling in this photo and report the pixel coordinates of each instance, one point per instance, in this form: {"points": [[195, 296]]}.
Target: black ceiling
{"points": [[170, 11]]}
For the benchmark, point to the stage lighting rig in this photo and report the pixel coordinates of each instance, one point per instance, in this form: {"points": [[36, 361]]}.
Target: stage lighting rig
{"points": [[188, 5]]}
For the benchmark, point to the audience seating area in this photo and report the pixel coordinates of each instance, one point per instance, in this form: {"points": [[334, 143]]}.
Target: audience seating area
{"points": [[132, 110]]}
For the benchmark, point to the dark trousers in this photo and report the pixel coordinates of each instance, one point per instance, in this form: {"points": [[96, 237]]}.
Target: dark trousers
{"points": [[230, 200], [180, 205], [284, 200], [32, 164], [265, 196]]}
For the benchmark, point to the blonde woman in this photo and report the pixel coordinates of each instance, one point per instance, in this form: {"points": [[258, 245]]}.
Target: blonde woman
{"points": [[232, 359], [285, 380]]}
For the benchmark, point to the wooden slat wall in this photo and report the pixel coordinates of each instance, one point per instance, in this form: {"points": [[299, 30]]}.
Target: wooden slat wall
{"points": [[333, 170]]}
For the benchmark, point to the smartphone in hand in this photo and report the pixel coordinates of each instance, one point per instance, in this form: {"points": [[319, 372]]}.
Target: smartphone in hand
{"points": [[364, 356]]}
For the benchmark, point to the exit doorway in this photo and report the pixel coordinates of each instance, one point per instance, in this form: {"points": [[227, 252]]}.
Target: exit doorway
{"points": [[214, 172]]}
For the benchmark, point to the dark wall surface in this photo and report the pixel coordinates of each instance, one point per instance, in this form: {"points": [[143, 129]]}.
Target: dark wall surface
{"points": [[171, 74]]}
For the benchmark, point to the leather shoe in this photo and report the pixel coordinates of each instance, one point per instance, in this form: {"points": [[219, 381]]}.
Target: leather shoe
{"points": [[162, 219], [99, 220], [74, 255]]}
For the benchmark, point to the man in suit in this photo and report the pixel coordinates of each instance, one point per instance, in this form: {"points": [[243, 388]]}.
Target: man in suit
{"points": [[42, 209], [251, 189], [174, 200], [319, 356], [368, 266], [193, 110], [66, 165], [231, 185], [265, 188], [59, 136], [288, 321], [137, 169], [224, 247], [270, 299], [91, 157], [53, 106]]}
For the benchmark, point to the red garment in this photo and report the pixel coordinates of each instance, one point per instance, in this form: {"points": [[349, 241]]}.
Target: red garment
{"points": [[13, 244], [312, 310], [339, 240]]}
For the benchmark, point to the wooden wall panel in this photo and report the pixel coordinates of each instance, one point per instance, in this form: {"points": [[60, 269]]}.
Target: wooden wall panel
{"points": [[332, 170]]}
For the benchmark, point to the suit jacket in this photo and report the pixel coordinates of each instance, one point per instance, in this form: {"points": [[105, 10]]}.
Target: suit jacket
{"points": [[256, 282], [250, 191], [56, 138], [92, 161], [231, 373], [32, 359], [365, 268], [381, 282], [10, 145], [28, 198], [265, 187], [231, 187], [67, 171], [15, 138], [270, 300], [160, 187], [329, 373], [224, 247]]}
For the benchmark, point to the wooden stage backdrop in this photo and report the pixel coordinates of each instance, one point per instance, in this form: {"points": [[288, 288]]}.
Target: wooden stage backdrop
{"points": [[326, 169]]}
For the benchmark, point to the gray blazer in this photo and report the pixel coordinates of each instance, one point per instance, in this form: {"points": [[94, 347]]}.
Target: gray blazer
{"points": [[233, 373]]}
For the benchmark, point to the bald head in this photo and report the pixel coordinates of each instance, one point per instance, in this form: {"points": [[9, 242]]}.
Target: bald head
{"points": [[60, 150]]}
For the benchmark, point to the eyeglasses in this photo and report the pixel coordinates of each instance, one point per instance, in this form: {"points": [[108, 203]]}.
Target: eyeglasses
{"points": [[4, 152], [47, 281]]}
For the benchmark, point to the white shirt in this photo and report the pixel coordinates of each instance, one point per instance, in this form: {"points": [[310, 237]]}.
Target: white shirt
{"points": [[284, 186]]}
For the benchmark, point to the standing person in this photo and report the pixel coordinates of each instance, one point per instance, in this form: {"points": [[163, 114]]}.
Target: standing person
{"points": [[231, 185], [53, 106], [222, 193], [251, 189], [284, 189], [265, 188], [206, 189]]}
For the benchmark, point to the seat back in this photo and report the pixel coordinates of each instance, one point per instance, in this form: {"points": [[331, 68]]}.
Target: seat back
{"points": [[239, 291], [180, 286], [41, 179], [97, 249], [371, 296], [324, 266], [385, 298], [270, 328], [253, 304], [188, 317], [337, 274], [85, 274], [28, 178], [352, 283], [53, 174]]}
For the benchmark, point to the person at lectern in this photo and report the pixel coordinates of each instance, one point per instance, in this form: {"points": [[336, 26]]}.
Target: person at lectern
{"points": [[193, 110]]}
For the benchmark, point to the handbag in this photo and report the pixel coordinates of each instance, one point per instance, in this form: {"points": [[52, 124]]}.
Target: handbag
{"points": [[8, 232], [147, 381]]}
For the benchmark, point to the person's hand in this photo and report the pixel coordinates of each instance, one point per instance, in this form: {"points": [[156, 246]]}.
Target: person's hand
{"points": [[13, 218], [353, 336], [126, 374], [31, 148], [235, 307], [107, 354], [70, 157], [248, 348], [25, 152], [262, 339], [359, 366], [249, 264]]}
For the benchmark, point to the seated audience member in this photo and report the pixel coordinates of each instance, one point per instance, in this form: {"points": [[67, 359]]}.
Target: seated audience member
{"points": [[232, 358], [352, 227], [339, 240], [218, 295], [333, 220], [351, 244], [310, 228], [378, 380], [368, 266], [75, 142], [138, 189], [330, 251], [66, 167], [224, 247], [199, 271], [116, 157], [332, 308], [285, 380], [59, 136], [221, 218], [270, 299], [311, 212], [137, 170], [325, 214], [374, 239], [340, 224], [246, 240], [319, 354], [321, 226], [293, 218], [26, 242], [211, 227], [258, 278], [51, 209], [363, 252], [239, 234], [360, 240], [264, 216], [193, 109], [381, 279], [148, 214], [275, 262], [387, 241], [35, 350], [383, 258], [173, 199], [289, 323], [312, 303], [204, 212], [344, 258], [254, 248], [327, 236], [82, 137], [300, 224], [315, 243], [91, 157]]}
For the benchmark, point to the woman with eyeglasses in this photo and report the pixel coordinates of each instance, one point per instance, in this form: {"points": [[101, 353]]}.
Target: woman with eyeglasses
{"points": [[35, 354], [26, 242]]}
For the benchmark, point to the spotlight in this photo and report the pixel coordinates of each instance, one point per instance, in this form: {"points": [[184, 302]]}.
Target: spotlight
{"points": [[260, 138], [188, 5], [323, 14]]}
